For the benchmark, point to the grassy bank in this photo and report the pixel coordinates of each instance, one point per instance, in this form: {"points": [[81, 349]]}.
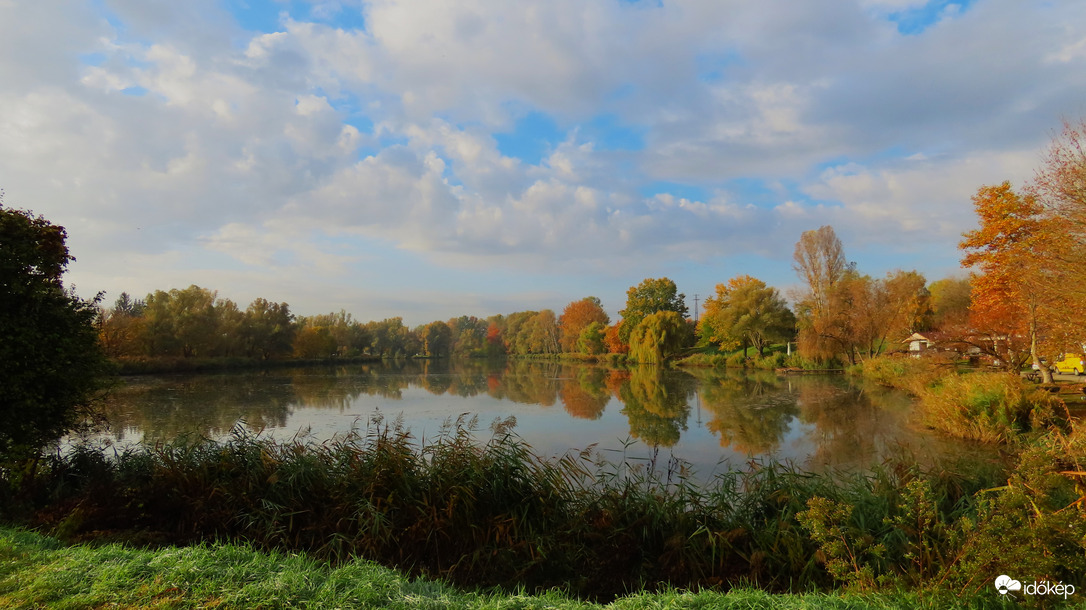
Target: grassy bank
{"points": [[36, 571], [492, 514], [991, 407]]}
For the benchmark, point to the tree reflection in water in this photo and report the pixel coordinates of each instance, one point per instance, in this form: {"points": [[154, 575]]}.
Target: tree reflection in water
{"points": [[750, 411], [656, 405], [814, 420]]}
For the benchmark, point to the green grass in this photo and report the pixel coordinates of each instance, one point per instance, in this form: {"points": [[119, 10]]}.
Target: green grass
{"points": [[478, 515], [40, 572]]}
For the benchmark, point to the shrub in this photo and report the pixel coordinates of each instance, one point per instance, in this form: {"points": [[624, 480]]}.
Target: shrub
{"points": [[988, 407], [906, 373]]}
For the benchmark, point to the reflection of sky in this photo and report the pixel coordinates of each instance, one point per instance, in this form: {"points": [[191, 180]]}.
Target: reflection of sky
{"points": [[550, 430]]}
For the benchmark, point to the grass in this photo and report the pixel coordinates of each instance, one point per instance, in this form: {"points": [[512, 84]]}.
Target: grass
{"points": [[484, 515], [990, 407], [37, 572]]}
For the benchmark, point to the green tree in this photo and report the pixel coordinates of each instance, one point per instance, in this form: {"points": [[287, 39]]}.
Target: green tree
{"points": [[437, 339], [53, 365], [267, 330], [591, 340], [657, 337], [649, 297], [747, 312]]}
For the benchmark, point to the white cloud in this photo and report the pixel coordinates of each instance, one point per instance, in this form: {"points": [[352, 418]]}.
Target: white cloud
{"points": [[253, 150]]}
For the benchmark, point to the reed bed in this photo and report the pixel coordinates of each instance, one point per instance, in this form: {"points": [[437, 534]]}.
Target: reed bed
{"points": [[491, 513], [990, 407]]}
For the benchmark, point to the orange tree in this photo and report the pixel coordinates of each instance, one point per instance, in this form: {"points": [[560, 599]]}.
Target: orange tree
{"points": [[1018, 305], [578, 315]]}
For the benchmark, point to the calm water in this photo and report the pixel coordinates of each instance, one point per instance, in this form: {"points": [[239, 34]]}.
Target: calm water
{"points": [[714, 420]]}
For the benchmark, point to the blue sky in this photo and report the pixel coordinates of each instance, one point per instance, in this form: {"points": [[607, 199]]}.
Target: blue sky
{"points": [[429, 159]]}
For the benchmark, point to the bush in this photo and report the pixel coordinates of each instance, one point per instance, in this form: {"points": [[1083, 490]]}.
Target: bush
{"points": [[903, 372], [736, 361], [988, 407]]}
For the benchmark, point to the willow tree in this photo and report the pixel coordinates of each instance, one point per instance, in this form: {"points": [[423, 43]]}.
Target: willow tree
{"points": [[649, 297], [658, 336]]}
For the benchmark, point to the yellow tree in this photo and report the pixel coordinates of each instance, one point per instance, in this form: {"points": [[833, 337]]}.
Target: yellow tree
{"points": [[1016, 298], [746, 312]]}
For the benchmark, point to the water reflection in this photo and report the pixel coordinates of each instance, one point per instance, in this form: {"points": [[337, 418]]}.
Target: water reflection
{"points": [[703, 416], [656, 405], [750, 413]]}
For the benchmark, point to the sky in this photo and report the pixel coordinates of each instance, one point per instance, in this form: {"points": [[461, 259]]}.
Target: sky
{"points": [[435, 158]]}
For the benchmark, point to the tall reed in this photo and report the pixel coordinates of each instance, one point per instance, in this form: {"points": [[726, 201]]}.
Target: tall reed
{"points": [[485, 513]]}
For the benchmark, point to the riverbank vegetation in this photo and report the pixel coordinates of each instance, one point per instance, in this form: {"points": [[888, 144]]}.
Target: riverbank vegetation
{"points": [[39, 571], [491, 513], [986, 406]]}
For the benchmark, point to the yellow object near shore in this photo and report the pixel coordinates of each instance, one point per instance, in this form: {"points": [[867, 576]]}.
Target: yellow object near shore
{"points": [[1070, 363]]}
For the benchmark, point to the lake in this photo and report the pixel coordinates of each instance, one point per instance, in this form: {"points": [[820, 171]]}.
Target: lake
{"points": [[715, 420]]}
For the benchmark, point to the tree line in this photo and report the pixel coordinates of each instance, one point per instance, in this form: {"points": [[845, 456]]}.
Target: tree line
{"points": [[841, 314]]}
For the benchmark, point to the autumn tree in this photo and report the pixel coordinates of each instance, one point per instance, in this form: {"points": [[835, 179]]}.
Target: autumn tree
{"points": [[649, 297], [746, 312], [658, 336], [885, 311], [121, 328], [819, 260], [950, 302], [592, 338], [313, 342], [576, 316], [612, 339], [1017, 301], [1060, 186], [437, 339]]}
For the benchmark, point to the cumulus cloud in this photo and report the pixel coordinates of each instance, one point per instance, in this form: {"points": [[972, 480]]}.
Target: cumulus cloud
{"points": [[165, 131]]}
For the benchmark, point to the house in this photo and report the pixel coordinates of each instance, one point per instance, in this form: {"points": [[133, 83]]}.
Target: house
{"points": [[922, 342]]}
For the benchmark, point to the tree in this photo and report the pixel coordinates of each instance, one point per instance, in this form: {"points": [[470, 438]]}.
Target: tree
{"points": [[591, 340], [649, 297], [121, 329], [612, 339], [576, 316], [950, 302], [437, 339], [879, 312], [1017, 298], [314, 342], [267, 330], [53, 365], [747, 312], [819, 260], [657, 337]]}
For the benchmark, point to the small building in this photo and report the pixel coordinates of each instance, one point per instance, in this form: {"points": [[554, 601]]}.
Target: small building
{"points": [[921, 342]]}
